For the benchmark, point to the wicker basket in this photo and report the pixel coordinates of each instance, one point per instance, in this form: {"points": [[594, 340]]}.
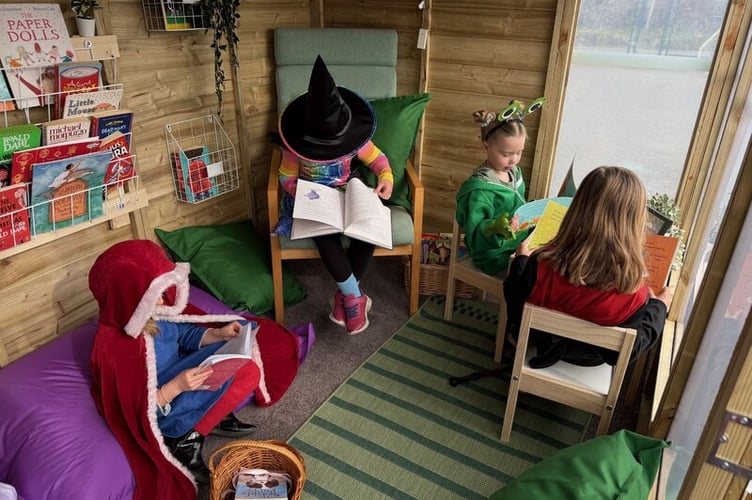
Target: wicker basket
{"points": [[269, 455], [433, 281]]}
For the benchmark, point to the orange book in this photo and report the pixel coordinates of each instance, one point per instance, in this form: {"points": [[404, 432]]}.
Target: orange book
{"points": [[659, 255]]}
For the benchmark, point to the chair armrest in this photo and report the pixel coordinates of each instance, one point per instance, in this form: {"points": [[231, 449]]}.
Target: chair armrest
{"points": [[273, 188], [417, 193]]}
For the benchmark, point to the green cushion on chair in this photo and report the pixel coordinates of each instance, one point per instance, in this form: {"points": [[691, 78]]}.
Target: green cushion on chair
{"points": [[622, 465], [231, 262], [397, 122], [402, 232]]}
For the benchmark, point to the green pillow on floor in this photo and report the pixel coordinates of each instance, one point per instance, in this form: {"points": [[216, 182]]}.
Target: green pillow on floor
{"points": [[622, 465], [231, 262]]}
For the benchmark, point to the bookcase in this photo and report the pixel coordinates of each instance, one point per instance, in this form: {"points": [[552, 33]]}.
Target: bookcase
{"points": [[166, 15], [202, 159], [74, 204]]}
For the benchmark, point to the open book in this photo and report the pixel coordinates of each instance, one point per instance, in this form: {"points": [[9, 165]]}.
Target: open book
{"points": [[357, 212], [229, 358]]}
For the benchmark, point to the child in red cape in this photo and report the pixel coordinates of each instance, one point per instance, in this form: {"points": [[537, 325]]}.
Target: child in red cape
{"points": [[138, 288]]}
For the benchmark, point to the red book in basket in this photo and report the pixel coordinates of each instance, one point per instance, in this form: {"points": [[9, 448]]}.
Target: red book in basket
{"points": [[121, 167], [230, 358]]}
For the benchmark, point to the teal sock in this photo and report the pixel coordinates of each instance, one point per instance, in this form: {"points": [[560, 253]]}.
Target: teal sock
{"points": [[349, 286]]}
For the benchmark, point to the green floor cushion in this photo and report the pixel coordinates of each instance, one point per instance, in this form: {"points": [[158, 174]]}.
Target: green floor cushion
{"points": [[620, 466], [397, 122], [231, 262]]}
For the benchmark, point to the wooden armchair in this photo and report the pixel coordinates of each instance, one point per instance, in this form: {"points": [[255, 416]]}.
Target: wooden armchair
{"points": [[363, 60]]}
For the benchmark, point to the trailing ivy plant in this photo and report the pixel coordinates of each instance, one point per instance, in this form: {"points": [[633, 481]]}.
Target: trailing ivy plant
{"points": [[222, 17], [666, 205]]}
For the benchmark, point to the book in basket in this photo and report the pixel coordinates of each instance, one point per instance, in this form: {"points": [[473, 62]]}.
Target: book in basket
{"points": [[357, 212], [229, 358], [261, 483]]}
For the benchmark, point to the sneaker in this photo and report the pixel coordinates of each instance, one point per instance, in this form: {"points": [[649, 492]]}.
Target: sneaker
{"points": [[338, 314], [231, 427], [357, 309]]}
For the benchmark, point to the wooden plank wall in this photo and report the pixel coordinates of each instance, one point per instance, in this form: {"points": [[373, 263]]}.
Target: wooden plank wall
{"points": [[483, 55]]}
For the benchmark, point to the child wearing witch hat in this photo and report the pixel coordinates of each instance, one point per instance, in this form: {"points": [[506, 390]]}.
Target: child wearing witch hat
{"points": [[322, 131]]}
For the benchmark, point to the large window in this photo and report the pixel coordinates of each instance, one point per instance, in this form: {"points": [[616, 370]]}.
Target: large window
{"points": [[635, 84]]}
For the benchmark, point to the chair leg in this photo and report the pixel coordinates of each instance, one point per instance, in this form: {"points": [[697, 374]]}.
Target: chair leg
{"points": [[279, 299], [605, 420], [501, 326], [449, 302], [414, 281], [506, 426]]}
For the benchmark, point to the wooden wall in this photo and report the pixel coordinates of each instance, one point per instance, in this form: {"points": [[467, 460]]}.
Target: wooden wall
{"points": [[482, 54]]}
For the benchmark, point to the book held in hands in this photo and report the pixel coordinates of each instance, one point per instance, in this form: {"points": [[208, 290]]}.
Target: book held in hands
{"points": [[229, 358], [357, 212]]}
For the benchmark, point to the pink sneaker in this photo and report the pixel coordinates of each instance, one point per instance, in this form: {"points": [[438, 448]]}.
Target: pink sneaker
{"points": [[357, 309], [338, 314]]}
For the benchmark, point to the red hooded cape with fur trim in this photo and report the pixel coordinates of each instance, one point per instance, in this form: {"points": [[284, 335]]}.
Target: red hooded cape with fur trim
{"points": [[126, 281]]}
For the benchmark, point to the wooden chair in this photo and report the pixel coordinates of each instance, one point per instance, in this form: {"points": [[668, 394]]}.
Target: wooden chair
{"points": [[592, 389], [462, 269], [363, 60]]}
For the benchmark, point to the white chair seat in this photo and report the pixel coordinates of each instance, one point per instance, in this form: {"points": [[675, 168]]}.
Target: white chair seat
{"points": [[595, 378]]}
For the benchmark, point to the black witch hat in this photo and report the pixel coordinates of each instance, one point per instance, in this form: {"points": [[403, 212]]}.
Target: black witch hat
{"points": [[327, 122]]}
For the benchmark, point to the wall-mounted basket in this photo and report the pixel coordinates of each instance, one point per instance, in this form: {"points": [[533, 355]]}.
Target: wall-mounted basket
{"points": [[165, 15], [202, 159]]}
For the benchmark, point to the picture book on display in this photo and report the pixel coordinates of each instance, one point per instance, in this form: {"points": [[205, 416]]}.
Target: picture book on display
{"points": [[64, 130], [12, 139], [92, 102], [23, 160], [547, 225], [194, 174], [6, 98], [76, 77], [121, 167], [229, 358], [14, 216], [33, 39], [68, 191], [357, 212], [108, 122]]}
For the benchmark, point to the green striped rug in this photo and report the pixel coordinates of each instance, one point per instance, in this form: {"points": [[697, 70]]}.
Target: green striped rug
{"points": [[397, 429]]}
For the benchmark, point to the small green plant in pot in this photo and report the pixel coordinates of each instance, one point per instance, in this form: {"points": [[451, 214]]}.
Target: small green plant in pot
{"points": [[666, 205], [84, 10]]}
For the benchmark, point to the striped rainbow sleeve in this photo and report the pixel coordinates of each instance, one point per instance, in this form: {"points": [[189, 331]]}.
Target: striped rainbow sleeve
{"points": [[288, 172], [376, 160]]}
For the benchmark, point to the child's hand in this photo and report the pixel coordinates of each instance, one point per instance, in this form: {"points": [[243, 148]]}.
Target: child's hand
{"points": [[664, 296], [227, 332], [384, 189], [191, 379], [523, 248]]}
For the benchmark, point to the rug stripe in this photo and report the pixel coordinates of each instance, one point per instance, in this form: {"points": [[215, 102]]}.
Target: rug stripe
{"points": [[397, 429]]}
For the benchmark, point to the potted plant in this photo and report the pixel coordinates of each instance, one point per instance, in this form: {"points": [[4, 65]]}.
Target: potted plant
{"points": [[84, 10], [666, 205], [222, 17]]}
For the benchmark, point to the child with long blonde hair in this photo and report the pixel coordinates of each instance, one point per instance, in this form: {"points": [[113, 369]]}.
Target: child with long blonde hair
{"points": [[593, 269]]}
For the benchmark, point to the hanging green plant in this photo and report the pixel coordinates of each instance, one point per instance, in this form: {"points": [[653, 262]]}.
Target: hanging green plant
{"points": [[222, 17]]}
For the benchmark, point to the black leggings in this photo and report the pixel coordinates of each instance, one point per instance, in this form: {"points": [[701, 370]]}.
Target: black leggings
{"points": [[342, 263]]}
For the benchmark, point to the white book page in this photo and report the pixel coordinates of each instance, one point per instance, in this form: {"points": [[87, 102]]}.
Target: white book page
{"points": [[366, 218], [242, 343], [319, 203]]}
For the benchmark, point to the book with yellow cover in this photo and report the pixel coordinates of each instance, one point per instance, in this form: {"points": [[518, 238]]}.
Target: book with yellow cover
{"points": [[548, 224]]}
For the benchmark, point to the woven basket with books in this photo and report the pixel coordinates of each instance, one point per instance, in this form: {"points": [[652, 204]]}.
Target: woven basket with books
{"points": [[271, 455], [433, 281]]}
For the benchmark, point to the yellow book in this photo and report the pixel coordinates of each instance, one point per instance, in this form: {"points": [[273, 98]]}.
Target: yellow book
{"points": [[548, 225]]}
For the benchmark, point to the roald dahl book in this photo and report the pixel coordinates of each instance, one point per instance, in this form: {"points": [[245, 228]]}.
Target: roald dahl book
{"points": [[68, 191]]}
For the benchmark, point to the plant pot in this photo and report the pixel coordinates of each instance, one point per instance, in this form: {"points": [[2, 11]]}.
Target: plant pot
{"points": [[86, 26]]}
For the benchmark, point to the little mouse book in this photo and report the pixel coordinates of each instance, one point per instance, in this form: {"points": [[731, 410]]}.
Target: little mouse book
{"points": [[357, 212], [229, 358]]}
